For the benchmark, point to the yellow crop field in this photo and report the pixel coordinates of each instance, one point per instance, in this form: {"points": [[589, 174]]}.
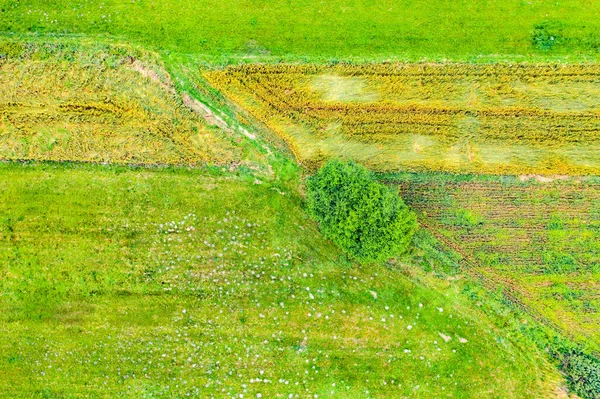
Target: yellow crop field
{"points": [[106, 108], [494, 119]]}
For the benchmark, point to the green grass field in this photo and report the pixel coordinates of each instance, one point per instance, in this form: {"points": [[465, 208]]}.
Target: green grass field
{"points": [[124, 282], [415, 29], [153, 236]]}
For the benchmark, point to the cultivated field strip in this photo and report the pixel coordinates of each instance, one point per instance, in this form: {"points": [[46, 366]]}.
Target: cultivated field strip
{"points": [[539, 241], [103, 109], [497, 119]]}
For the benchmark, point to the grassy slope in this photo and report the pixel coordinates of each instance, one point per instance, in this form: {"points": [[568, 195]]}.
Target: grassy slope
{"points": [[139, 283], [412, 29]]}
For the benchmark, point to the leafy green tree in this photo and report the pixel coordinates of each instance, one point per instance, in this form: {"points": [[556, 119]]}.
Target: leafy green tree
{"points": [[362, 216]]}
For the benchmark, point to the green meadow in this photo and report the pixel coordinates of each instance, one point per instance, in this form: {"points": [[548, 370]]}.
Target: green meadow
{"points": [[120, 282], [154, 240], [407, 30]]}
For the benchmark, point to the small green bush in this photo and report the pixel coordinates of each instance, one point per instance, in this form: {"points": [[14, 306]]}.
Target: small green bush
{"points": [[362, 216], [583, 373], [467, 218], [547, 35]]}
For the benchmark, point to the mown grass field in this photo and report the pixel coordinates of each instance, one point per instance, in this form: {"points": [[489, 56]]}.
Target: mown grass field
{"points": [[122, 282], [500, 118], [473, 30], [539, 240]]}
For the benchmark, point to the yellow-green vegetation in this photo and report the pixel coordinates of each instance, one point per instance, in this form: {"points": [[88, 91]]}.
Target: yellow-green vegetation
{"points": [[64, 101], [495, 119], [538, 240], [211, 281], [132, 283]]}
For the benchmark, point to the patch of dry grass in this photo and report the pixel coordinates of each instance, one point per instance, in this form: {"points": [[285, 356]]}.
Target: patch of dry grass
{"points": [[104, 106], [496, 119]]}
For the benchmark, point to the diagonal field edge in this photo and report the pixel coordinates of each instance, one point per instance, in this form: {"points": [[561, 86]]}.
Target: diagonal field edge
{"points": [[469, 265]]}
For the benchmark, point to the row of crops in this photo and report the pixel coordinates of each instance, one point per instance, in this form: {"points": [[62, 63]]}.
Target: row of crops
{"points": [[499, 119], [540, 241], [66, 102]]}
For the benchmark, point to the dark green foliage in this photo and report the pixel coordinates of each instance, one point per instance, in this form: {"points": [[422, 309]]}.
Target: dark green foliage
{"points": [[558, 263], [555, 223], [583, 373], [365, 218], [547, 35], [432, 255]]}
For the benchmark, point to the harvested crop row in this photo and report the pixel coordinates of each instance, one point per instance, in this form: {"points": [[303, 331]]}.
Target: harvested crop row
{"points": [[98, 105], [498, 119]]}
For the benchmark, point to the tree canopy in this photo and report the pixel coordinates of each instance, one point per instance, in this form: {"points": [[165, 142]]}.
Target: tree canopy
{"points": [[362, 216]]}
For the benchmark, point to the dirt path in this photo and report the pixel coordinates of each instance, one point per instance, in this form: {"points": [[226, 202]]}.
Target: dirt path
{"points": [[194, 105], [211, 118]]}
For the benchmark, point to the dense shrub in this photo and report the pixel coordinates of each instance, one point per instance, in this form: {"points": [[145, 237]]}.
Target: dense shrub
{"points": [[583, 373], [547, 35], [362, 216]]}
